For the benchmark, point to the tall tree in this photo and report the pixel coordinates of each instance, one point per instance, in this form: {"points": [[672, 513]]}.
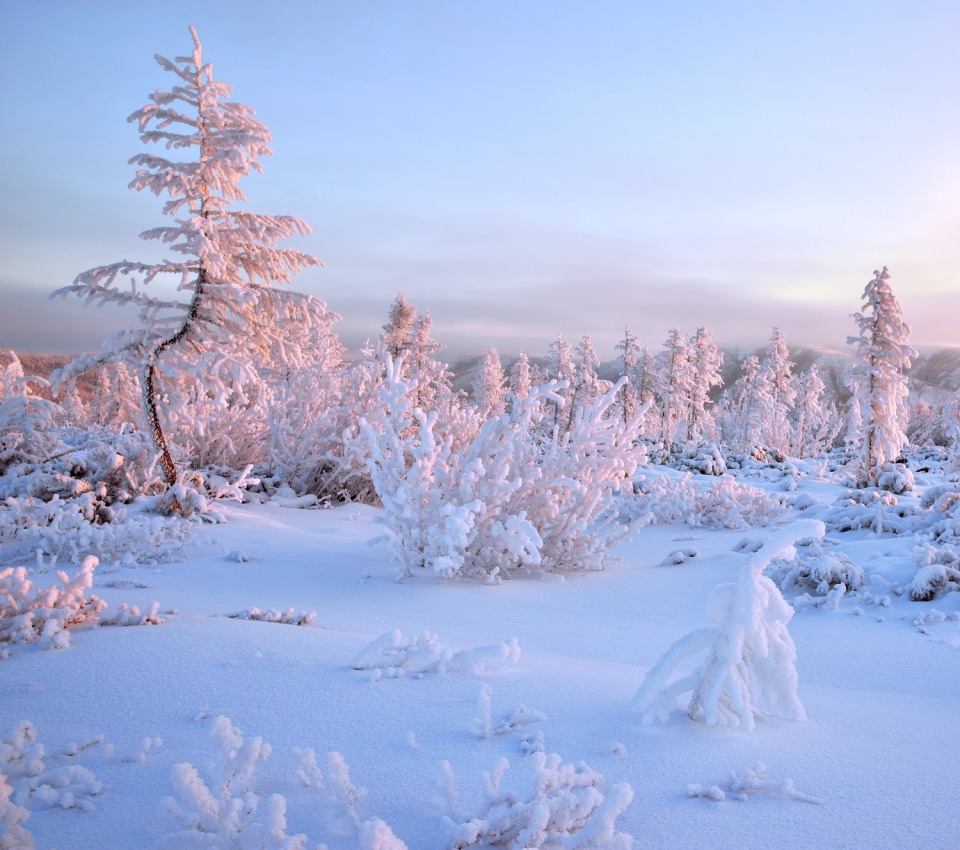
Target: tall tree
{"points": [[706, 360], [882, 353], [489, 386], [674, 382], [777, 372], [230, 314]]}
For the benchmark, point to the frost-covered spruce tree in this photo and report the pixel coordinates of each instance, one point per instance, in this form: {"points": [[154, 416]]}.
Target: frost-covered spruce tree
{"points": [[490, 385], [706, 360], [628, 400], [561, 369], [880, 387], [227, 314], [674, 379], [520, 377], [816, 422], [777, 372]]}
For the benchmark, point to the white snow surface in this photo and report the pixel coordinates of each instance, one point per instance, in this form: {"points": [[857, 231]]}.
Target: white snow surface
{"points": [[879, 680]]}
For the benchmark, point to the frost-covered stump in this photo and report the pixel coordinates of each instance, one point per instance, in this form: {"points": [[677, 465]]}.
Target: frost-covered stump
{"points": [[744, 665]]}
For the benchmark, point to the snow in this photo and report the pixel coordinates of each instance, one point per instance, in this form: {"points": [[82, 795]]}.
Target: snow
{"points": [[536, 673]]}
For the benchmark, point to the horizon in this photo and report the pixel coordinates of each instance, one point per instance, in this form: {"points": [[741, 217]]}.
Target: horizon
{"points": [[518, 172]]}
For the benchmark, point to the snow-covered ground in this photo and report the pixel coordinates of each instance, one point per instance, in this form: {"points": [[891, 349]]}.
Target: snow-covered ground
{"points": [[489, 672]]}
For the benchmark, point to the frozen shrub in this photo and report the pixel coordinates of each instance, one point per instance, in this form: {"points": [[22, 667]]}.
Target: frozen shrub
{"points": [[73, 529], [811, 569], [744, 665], [895, 478], [937, 571], [870, 509], [561, 805], [510, 499], [724, 503], [706, 460], [226, 812], [46, 614], [13, 835]]}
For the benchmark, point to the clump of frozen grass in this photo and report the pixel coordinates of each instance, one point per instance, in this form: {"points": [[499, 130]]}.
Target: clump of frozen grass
{"points": [[394, 656], [554, 805], [751, 783], [744, 665], [271, 615]]}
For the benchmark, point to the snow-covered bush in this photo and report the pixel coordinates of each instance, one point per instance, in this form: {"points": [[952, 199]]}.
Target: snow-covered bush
{"points": [[869, 509], [28, 614], [895, 478], [811, 569], [13, 835], [227, 812], [744, 665], [751, 783], [560, 805], [724, 503], [27, 426], [937, 571], [509, 499], [74, 529], [706, 460], [271, 615]]}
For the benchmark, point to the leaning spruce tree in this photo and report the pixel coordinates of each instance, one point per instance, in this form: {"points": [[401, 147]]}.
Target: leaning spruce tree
{"points": [[228, 313], [879, 385]]}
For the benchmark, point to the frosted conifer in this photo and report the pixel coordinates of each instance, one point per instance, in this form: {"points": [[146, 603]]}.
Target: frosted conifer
{"points": [[882, 353], [229, 313]]}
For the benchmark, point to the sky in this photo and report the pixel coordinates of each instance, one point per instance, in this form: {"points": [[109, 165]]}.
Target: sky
{"points": [[519, 169]]}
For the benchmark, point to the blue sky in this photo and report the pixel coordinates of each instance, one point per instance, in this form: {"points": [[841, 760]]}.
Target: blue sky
{"points": [[518, 168]]}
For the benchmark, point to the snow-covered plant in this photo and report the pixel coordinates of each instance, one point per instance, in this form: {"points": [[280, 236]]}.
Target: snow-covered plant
{"points": [[744, 665], [704, 459], [880, 387], [812, 569], [706, 360], [816, 423], [559, 805], [45, 614], [484, 725], [74, 529], [229, 314], [271, 615], [27, 426], [776, 370], [873, 509], [225, 812], [489, 386], [752, 783], [13, 835], [674, 379], [723, 503], [508, 500], [394, 656], [937, 571]]}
